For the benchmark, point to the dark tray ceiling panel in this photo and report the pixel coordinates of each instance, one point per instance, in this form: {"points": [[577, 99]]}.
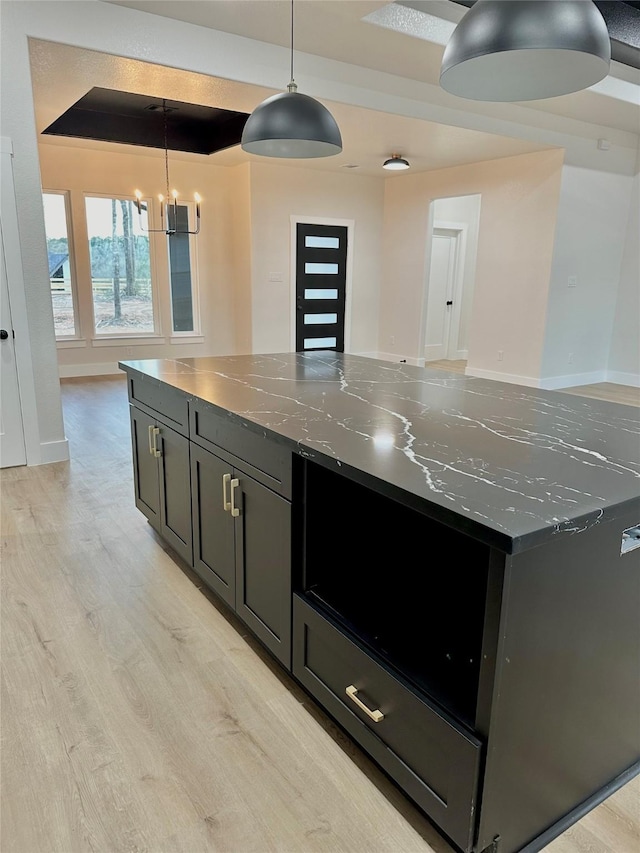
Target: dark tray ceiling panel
{"points": [[108, 115]]}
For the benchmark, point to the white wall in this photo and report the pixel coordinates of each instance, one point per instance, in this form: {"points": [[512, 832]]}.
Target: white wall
{"points": [[624, 354], [515, 243], [589, 243], [279, 192], [239, 179]]}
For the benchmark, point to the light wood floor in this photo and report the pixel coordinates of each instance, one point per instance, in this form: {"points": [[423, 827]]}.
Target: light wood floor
{"points": [[608, 391], [138, 715]]}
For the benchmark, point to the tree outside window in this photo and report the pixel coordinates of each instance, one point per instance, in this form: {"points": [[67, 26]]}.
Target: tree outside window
{"points": [[120, 267]]}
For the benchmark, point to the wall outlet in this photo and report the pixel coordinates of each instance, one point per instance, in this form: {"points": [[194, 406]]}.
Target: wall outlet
{"points": [[392, 340], [572, 281], [276, 276], [500, 355], [570, 358], [129, 350]]}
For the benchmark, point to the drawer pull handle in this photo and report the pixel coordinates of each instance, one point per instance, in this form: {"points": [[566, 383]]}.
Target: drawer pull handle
{"points": [[226, 503], [156, 450], [151, 439], [235, 512], [376, 715]]}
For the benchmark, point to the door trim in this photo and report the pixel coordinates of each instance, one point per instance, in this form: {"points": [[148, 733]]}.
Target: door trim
{"points": [[36, 454], [350, 225]]}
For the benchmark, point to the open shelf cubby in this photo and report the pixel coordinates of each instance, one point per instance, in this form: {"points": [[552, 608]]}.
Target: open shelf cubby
{"points": [[409, 588]]}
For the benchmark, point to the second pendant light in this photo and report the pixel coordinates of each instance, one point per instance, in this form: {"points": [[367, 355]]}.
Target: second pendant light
{"points": [[291, 125]]}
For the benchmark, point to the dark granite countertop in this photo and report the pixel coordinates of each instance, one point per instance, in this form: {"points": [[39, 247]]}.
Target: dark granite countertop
{"points": [[514, 466]]}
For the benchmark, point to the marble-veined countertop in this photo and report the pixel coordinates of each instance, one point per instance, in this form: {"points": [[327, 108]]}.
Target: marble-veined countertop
{"points": [[513, 465]]}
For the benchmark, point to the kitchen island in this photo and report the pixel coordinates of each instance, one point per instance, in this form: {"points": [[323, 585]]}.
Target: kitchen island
{"points": [[446, 564]]}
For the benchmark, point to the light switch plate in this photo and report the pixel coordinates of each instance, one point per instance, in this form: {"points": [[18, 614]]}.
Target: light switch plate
{"points": [[276, 276]]}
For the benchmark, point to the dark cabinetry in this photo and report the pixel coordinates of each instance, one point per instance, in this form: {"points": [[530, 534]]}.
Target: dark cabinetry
{"points": [[161, 478], [389, 635], [220, 496], [434, 759], [242, 536], [469, 625]]}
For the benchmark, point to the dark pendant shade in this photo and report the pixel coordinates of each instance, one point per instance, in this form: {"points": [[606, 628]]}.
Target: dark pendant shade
{"points": [[293, 125], [522, 50]]}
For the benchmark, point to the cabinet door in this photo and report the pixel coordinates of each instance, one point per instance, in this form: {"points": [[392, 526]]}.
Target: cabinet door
{"points": [[213, 527], [145, 467], [175, 492], [263, 561]]}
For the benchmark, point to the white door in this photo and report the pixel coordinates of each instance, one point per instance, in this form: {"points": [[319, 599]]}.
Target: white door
{"points": [[443, 312], [12, 450]]}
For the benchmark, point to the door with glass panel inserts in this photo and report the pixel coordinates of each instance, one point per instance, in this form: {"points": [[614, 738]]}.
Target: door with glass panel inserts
{"points": [[321, 272]]}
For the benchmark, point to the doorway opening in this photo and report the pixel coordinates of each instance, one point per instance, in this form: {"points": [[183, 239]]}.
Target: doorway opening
{"points": [[450, 276]]}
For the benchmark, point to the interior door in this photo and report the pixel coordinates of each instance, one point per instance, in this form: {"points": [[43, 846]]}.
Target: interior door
{"points": [[321, 276], [440, 307], [12, 448]]}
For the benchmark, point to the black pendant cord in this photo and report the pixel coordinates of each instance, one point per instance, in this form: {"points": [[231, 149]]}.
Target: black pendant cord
{"points": [[292, 80], [166, 146]]}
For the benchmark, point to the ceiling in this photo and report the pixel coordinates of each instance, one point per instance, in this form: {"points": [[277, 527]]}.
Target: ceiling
{"points": [[334, 29]]}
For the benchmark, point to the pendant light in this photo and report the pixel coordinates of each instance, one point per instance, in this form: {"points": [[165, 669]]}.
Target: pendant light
{"points": [[168, 203], [396, 163], [523, 50], [291, 124]]}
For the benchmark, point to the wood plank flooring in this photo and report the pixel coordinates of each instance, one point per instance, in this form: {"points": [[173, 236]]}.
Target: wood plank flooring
{"points": [[137, 713], [608, 391]]}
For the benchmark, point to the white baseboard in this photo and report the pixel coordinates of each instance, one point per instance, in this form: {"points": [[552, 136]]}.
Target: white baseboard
{"points": [[512, 378], [570, 380], [632, 379], [54, 451], [98, 369]]}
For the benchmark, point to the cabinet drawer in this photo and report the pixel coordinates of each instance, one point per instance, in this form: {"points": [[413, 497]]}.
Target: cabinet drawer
{"points": [[260, 457], [168, 404], [434, 761]]}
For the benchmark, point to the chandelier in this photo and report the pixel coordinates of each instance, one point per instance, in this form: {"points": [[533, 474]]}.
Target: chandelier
{"points": [[168, 202]]}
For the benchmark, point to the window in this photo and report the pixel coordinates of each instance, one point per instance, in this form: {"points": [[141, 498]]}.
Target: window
{"points": [[60, 257], [180, 272], [120, 268]]}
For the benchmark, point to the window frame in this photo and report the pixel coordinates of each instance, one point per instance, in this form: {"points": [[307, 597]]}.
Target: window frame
{"points": [[77, 335], [155, 335], [179, 337]]}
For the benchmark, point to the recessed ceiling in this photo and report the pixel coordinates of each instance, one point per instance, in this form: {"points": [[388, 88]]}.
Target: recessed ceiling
{"points": [[62, 74], [110, 115]]}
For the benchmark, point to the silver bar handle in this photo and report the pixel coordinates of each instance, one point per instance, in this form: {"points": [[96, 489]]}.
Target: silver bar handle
{"points": [[376, 715], [226, 503], [151, 439], [235, 511]]}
